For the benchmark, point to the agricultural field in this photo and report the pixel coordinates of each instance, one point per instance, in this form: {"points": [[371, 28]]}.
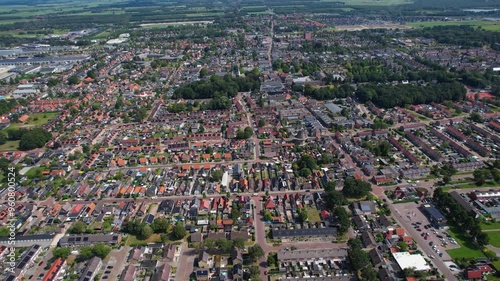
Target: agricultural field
{"points": [[486, 25]]}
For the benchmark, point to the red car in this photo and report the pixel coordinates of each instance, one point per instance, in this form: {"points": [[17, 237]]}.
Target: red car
{"points": [[425, 237], [40, 263], [265, 272]]}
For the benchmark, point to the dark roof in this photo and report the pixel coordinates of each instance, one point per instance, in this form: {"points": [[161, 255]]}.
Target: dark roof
{"points": [[285, 233], [149, 264], [34, 237], [434, 214], [88, 239], [460, 200]]}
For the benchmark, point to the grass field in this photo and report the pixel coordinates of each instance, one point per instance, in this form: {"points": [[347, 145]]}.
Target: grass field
{"points": [[490, 226], [9, 146], [467, 248], [133, 240], [487, 25], [36, 119], [494, 238]]}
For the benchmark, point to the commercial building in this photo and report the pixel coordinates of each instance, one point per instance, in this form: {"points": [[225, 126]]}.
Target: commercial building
{"points": [[434, 216], [406, 260]]}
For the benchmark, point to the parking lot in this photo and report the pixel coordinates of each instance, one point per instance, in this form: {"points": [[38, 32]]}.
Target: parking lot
{"points": [[423, 232]]}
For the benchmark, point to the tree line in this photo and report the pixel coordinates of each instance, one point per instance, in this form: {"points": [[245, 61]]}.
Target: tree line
{"points": [[389, 96]]}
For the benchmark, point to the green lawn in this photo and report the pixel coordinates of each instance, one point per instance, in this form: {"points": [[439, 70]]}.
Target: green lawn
{"points": [[467, 248], [494, 238], [9, 146], [36, 119], [487, 25], [490, 226], [133, 240]]}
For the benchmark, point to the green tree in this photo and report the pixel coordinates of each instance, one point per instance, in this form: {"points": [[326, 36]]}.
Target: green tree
{"points": [[302, 214], [73, 80], [475, 117], [358, 258], [209, 150], [3, 138], [78, 227], [224, 245], [160, 225], [481, 176], [146, 232], [262, 122], [354, 188], [203, 72], [92, 74], [216, 175], [179, 231], [268, 216], [239, 243], [34, 138], [255, 252], [403, 246], [343, 220], [101, 250], [61, 252], [369, 274]]}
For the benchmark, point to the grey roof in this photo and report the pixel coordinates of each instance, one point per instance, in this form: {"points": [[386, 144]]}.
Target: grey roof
{"points": [[291, 233], [91, 269], [460, 200], [333, 108], [285, 255]]}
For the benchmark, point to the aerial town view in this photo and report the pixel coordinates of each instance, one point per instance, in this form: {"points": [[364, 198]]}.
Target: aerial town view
{"points": [[261, 140]]}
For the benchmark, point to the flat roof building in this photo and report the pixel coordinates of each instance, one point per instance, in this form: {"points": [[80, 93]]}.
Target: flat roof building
{"points": [[406, 260]]}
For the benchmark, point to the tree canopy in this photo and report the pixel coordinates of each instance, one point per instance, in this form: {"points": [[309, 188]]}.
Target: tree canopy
{"points": [[34, 138], [388, 96], [354, 188], [228, 86]]}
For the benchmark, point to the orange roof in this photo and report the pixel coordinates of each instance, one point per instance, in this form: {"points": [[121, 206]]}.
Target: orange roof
{"points": [[23, 118], [185, 167], [196, 166], [400, 232], [206, 166]]}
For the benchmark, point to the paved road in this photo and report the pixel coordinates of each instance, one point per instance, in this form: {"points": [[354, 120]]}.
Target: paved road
{"points": [[186, 263]]}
